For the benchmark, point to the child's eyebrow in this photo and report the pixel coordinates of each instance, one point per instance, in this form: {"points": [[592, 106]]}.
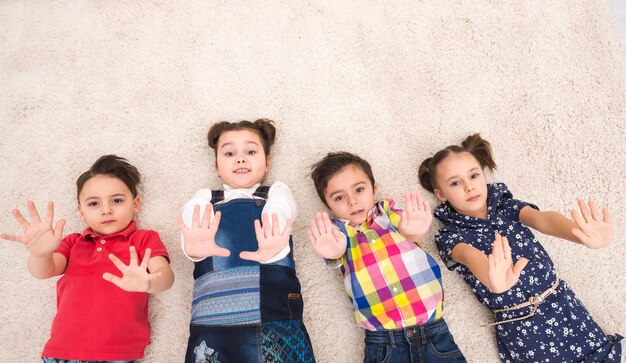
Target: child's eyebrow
{"points": [[230, 143]]}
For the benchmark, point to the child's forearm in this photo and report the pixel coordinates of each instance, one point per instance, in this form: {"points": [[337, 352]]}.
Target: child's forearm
{"points": [[163, 282], [550, 223], [46, 266]]}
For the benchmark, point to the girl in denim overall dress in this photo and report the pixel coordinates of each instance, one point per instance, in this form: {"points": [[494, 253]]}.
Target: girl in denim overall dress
{"points": [[486, 239], [247, 305]]}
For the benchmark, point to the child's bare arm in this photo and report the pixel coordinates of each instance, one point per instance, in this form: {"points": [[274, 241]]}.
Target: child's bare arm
{"points": [[495, 271], [592, 229], [415, 218], [160, 265], [41, 240], [326, 240]]}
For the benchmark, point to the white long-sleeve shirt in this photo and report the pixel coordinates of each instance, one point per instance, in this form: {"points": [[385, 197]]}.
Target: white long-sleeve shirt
{"points": [[280, 201]]}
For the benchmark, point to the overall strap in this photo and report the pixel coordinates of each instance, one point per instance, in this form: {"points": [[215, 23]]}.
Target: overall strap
{"points": [[217, 196], [262, 191]]}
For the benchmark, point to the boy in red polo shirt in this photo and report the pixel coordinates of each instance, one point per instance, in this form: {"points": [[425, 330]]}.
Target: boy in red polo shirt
{"points": [[100, 316]]}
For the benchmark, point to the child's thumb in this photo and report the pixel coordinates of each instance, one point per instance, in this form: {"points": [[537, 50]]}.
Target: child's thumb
{"points": [[519, 266]]}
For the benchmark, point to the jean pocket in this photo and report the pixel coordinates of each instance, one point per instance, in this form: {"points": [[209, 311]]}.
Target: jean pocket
{"points": [[442, 345], [377, 353]]}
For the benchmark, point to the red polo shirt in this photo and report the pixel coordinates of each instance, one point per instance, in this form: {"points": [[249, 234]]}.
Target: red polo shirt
{"points": [[96, 320]]}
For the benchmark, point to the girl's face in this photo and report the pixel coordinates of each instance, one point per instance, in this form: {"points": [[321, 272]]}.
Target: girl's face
{"points": [[461, 182], [240, 159], [350, 194], [107, 204]]}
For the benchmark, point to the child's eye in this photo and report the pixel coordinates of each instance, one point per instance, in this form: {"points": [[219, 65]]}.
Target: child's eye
{"points": [[228, 153], [338, 198], [251, 152], [360, 189], [118, 201], [476, 175], [454, 183], [92, 204]]}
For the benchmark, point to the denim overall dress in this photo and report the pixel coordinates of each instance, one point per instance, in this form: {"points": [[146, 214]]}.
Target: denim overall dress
{"points": [[244, 311]]}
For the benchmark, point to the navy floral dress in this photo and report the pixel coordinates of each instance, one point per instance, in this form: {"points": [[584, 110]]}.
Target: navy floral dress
{"points": [[561, 330]]}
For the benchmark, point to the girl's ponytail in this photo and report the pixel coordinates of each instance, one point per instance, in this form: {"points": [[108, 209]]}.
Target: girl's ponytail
{"points": [[424, 176], [268, 132], [481, 149]]}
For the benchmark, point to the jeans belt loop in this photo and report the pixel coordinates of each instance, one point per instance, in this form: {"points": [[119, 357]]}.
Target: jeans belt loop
{"points": [[392, 338]]}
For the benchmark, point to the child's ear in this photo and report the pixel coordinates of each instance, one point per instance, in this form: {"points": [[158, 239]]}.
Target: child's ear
{"points": [[439, 195], [80, 213], [136, 204], [218, 170], [268, 163], [375, 189]]}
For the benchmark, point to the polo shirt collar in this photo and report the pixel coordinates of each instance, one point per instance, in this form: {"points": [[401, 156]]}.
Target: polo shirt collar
{"points": [[89, 234]]}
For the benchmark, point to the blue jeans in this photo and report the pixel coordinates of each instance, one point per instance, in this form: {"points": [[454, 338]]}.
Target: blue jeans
{"points": [[56, 360], [431, 342]]}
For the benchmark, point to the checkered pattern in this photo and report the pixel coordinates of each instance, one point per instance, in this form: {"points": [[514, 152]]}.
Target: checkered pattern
{"points": [[393, 283]]}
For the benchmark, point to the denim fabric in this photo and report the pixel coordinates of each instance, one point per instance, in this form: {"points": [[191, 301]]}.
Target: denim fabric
{"points": [[430, 342], [55, 360], [223, 344], [281, 298]]}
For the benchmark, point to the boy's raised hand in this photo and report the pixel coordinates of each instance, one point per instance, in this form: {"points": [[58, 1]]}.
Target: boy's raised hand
{"points": [[200, 238], [594, 230], [415, 218], [327, 241], [271, 239], [135, 275], [502, 273], [38, 236]]}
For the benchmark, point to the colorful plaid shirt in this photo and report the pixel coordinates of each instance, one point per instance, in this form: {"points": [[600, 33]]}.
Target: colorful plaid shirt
{"points": [[392, 283]]}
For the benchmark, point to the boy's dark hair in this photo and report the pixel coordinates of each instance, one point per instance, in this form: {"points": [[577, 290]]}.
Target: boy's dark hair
{"points": [[473, 144], [263, 127], [114, 166], [331, 164]]}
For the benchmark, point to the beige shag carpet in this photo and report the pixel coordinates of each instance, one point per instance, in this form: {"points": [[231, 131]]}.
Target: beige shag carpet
{"points": [[544, 81]]}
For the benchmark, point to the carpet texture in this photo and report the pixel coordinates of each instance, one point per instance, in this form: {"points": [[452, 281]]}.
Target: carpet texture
{"points": [[545, 82]]}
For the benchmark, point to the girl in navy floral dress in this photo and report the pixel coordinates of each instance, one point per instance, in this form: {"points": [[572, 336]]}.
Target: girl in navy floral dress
{"points": [[486, 239]]}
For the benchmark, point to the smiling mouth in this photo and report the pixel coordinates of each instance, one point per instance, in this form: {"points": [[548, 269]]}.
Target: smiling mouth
{"points": [[473, 199], [356, 212], [241, 171]]}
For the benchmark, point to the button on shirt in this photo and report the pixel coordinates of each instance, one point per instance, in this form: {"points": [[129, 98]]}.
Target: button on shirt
{"points": [[392, 282]]}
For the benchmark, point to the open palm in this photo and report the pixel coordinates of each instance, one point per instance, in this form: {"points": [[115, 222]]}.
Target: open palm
{"points": [[594, 230], [135, 275], [38, 236], [326, 240], [416, 217], [271, 240], [200, 238]]}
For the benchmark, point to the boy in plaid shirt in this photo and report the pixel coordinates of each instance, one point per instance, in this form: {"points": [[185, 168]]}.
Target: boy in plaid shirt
{"points": [[393, 284]]}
